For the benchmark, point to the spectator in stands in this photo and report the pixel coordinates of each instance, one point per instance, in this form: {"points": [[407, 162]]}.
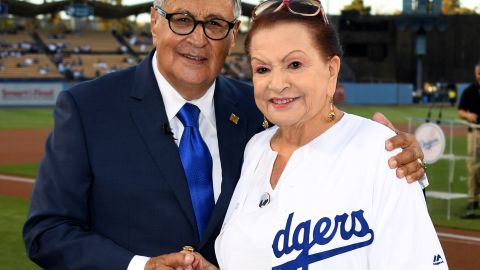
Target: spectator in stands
{"points": [[42, 71], [79, 74], [112, 185], [469, 110], [26, 46], [28, 61], [86, 49], [133, 40], [69, 73], [61, 68], [122, 49], [58, 58], [52, 47], [77, 61], [100, 64]]}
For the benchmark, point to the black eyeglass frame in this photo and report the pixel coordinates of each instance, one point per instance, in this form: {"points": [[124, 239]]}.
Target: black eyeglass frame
{"points": [[168, 17]]}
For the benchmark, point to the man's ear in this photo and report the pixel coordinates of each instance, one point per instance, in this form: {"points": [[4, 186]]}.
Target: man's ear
{"points": [[153, 22], [235, 31]]}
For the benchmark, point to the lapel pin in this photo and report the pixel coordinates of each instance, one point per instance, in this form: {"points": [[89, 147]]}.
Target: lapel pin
{"points": [[234, 118], [264, 200]]}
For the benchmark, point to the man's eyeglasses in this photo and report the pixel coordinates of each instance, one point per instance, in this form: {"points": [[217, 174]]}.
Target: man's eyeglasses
{"points": [[299, 7], [184, 24]]}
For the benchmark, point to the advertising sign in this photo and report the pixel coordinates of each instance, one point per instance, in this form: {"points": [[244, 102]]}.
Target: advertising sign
{"points": [[29, 94], [79, 10]]}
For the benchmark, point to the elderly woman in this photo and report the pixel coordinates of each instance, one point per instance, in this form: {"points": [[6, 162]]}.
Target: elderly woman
{"points": [[313, 193]]}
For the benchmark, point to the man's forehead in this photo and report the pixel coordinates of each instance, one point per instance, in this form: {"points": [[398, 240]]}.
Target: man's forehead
{"points": [[201, 8]]}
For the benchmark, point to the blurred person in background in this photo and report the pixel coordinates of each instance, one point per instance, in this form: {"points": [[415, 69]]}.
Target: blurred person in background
{"points": [[452, 93], [469, 110]]}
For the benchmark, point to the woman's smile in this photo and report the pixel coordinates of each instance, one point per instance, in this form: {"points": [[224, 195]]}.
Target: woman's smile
{"points": [[280, 103]]}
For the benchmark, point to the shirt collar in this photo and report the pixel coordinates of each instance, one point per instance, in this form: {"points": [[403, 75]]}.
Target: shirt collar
{"points": [[173, 101]]}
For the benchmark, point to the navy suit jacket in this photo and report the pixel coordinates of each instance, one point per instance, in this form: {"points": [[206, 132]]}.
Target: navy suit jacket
{"points": [[111, 184]]}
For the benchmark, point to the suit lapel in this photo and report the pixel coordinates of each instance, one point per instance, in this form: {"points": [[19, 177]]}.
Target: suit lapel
{"points": [[231, 142], [148, 113]]}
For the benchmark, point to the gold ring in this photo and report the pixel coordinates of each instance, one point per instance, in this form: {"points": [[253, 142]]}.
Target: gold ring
{"points": [[188, 248], [422, 164]]}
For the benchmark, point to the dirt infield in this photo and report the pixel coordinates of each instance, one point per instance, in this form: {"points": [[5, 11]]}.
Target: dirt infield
{"points": [[461, 247], [22, 146], [16, 186]]}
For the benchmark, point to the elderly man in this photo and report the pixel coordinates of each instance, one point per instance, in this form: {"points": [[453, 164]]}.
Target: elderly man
{"points": [[143, 162]]}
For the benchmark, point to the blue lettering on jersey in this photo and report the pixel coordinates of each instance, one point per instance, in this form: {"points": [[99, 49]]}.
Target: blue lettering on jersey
{"points": [[300, 239]]}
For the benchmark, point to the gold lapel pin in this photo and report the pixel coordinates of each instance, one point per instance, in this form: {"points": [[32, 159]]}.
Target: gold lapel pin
{"points": [[234, 118]]}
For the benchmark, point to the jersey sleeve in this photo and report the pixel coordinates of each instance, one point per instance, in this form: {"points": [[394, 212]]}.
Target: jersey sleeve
{"points": [[404, 236]]}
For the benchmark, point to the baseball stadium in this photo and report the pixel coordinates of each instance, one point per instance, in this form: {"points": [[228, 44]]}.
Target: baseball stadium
{"points": [[413, 65]]}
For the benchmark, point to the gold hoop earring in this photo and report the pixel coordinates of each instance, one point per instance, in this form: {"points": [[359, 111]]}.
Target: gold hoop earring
{"points": [[265, 124], [331, 115]]}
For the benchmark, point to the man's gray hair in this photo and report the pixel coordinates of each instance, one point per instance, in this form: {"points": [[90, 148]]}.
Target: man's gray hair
{"points": [[237, 6]]}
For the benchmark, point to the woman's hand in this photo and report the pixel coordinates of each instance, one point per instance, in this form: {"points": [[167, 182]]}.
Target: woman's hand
{"points": [[171, 261], [200, 263]]}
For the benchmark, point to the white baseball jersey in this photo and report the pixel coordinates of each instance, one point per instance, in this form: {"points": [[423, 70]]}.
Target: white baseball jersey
{"points": [[337, 205]]}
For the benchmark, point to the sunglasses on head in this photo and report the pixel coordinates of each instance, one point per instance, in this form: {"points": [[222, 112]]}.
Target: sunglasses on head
{"points": [[299, 7]]}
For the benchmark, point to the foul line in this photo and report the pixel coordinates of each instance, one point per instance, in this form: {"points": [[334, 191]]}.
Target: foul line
{"points": [[459, 236], [17, 179]]}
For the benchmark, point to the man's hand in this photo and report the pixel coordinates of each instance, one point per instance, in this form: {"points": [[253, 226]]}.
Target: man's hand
{"points": [[171, 261], [409, 162], [472, 117], [201, 263]]}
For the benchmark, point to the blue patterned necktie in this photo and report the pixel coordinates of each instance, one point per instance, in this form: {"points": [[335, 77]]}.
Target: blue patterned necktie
{"points": [[197, 163]]}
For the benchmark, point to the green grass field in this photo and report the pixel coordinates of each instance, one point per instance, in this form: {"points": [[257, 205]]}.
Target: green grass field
{"points": [[13, 210], [27, 170], [26, 118], [12, 251], [399, 114]]}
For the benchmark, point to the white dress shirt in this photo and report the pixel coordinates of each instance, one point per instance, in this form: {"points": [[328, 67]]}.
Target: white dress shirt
{"points": [[173, 102]]}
